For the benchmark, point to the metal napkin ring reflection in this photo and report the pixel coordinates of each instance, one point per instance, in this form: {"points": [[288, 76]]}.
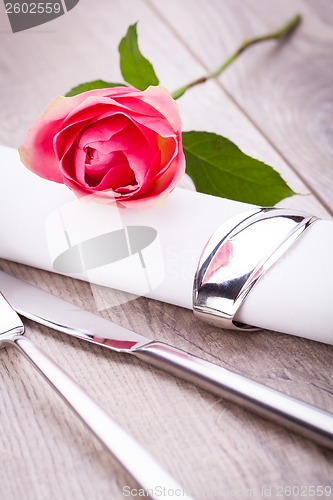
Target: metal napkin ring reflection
{"points": [[237, 255]]}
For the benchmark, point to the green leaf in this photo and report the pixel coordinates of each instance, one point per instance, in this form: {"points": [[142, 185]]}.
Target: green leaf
{"points": [[96, 84], [218, 167], [135, 68]]}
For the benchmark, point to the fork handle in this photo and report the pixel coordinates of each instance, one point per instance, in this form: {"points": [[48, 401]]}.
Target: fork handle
{"points": [[135, 459]]}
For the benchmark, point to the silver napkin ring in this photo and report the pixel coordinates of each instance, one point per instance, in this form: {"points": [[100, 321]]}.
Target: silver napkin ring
{"points": [[235, 258]]}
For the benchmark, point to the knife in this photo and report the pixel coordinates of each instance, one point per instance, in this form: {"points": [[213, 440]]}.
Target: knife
{"points": [[129, 453], [44, 308]]}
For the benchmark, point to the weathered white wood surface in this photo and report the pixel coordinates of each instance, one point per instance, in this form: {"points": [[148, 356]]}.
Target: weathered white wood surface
{"points": [[295, 78], [276, 104]]}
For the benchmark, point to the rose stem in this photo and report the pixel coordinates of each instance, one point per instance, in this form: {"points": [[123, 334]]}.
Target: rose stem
{"points": [[285, 30]]}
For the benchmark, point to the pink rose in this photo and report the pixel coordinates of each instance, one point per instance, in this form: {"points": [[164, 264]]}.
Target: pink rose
{"points": [[120, 144]]}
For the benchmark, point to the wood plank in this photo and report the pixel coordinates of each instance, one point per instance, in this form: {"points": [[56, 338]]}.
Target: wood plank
{"points": [[83, 62], [285, 89], [210, 446]]}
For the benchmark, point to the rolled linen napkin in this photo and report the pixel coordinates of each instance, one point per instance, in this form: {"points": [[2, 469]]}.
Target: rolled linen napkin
{"points": [[155, 251]]}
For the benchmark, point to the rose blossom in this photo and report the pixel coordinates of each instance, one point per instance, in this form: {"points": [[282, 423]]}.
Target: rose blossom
{"points": [[119, 144]]}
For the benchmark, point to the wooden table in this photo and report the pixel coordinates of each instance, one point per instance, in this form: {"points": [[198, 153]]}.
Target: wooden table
{"points": [[276, 103]]}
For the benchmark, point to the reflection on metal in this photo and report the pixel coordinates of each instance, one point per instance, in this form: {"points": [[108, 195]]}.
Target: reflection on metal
{"points": [[65, 317], [56, 313], [135, 459], [237, 256]]}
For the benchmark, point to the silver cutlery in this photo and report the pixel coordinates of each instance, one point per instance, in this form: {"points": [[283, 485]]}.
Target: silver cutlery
{"points": [[43, 307], [138, 462]]}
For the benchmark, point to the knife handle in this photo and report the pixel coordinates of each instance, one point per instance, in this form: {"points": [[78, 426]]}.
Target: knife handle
{"points": [[129, 453], [297, 416]]}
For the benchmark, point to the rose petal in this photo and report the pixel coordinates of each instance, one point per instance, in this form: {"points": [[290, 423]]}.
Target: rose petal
{"points": [[102, 130], [160, 98], [37, 151], [129, 138], [71, 130], [122, 145], [118, 175], [102, 164]]}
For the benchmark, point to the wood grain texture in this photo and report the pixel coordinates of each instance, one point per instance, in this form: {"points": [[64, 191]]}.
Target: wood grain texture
{"points": [[212, 447], [285, 89]]}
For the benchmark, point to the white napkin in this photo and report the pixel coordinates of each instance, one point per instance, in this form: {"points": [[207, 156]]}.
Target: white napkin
{"points": [[42, 224]]}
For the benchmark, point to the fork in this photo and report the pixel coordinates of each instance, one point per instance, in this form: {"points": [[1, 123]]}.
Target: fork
{"points": [[135, 459]]}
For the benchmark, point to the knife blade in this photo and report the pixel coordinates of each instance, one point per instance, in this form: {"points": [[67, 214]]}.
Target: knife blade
{"points": [[44, 308], [129, 453]]}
